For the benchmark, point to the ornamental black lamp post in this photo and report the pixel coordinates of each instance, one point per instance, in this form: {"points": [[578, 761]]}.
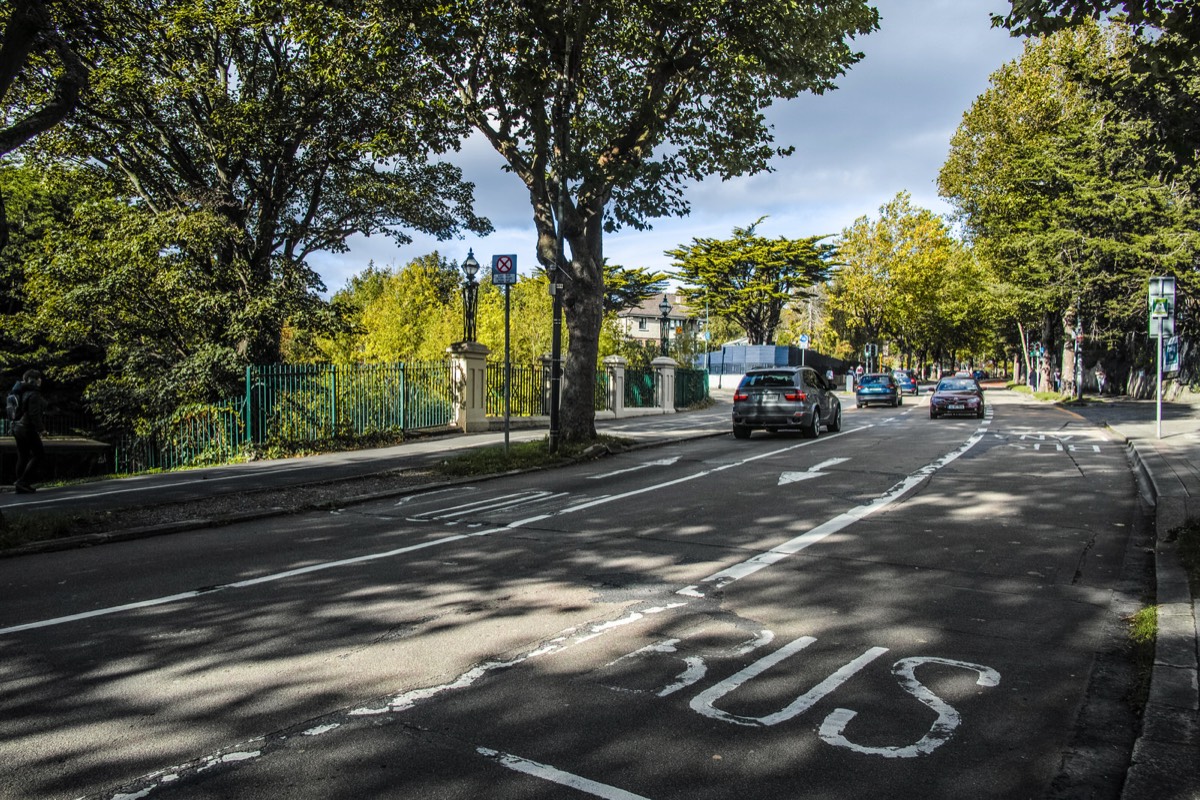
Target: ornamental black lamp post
{"points": [[470, 296], [664, 308]]}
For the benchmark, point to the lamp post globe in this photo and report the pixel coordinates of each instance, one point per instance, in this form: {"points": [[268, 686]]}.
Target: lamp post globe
{"points": [[470, 268], [664, 308]]}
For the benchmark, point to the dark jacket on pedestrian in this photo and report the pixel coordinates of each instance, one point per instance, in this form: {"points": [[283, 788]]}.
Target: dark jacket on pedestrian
{"points": [[32, 413]]}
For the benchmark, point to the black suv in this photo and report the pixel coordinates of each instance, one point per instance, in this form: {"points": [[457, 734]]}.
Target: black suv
{"points": [[785, 398]]}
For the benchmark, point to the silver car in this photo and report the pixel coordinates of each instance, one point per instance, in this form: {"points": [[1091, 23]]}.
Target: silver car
{"points": [[785, 398]]}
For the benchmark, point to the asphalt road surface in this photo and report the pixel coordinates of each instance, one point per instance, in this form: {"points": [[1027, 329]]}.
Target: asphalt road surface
{"points": [[910, 608]]}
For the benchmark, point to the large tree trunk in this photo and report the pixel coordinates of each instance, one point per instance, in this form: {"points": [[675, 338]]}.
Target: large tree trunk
{"points": [[583, 312]]}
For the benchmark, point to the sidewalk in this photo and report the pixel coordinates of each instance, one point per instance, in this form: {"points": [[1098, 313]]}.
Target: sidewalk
{"points": [[1166, 758]]}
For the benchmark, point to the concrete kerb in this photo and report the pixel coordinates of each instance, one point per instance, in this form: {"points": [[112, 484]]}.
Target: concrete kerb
{"points": [[182, 526], [1164, 760]]}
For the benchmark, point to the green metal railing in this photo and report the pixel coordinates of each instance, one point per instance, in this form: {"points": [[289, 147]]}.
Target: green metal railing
{"points": [[691, 387], [192, 436], [296, 403], [527, 394], [602, 384], [639, 388], [308, 402]]}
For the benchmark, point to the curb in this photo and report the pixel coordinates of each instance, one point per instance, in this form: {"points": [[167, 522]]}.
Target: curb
{"points": [[1164, 762]]}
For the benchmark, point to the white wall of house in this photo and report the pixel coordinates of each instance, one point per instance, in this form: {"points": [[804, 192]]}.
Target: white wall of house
{"points": [[644, 323]]}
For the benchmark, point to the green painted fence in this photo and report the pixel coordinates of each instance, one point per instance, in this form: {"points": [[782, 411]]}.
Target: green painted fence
{"points": [[529, 392], [308, 402], [639, 388], [293, 404], [691, 387]]}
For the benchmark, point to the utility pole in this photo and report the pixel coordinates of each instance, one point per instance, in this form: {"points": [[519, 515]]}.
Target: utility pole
{"points": [[557, 275]]}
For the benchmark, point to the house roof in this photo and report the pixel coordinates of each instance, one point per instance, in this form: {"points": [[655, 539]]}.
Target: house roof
{"points": [[649, 308]]}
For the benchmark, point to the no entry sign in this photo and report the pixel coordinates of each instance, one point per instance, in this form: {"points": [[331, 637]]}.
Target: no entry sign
{"points": [[504, 270]]}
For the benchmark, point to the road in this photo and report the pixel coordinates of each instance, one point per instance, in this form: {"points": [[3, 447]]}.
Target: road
{"points": [[908, 608]]}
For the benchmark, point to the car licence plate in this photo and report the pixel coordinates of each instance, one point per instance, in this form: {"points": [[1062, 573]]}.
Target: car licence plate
{"points": [[959, 407]]}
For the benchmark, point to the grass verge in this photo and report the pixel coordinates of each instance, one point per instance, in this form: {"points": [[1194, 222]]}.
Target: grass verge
{"points": [[19, 529], [528, 455], [1143, 631], [1143, 626]]}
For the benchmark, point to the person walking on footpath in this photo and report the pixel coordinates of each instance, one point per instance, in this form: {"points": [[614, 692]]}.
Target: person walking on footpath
{"points": [[26, 416]]}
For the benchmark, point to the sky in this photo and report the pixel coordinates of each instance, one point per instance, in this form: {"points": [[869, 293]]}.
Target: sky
{"points": [[885, 129]]}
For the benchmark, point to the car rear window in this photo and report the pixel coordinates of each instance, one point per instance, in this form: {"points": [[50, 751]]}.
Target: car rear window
{"points": [[956, 386], [768, 379], [875, 380]]}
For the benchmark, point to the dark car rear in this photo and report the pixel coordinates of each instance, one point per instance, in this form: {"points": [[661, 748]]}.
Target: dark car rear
{"points": [[878, 387], [785, 398], [956, 397]]}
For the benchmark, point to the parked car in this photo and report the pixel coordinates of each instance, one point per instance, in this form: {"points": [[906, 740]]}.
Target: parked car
{"points": [[907, 380], [785, 398], [878, 387], [956, 396]]}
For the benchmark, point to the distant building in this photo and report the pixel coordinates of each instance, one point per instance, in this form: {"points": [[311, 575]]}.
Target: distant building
{"points": [[644, 321]]}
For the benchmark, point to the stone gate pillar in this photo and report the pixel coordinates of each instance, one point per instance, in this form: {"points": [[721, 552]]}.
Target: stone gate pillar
{"points": [[664, 383], [615, 367], [468, 370]]}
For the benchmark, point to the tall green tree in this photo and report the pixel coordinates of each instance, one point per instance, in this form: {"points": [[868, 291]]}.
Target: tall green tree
{"points": [[416, 314], [749, 279], [627, 287], [297, 125], [1056, 196], [904, 281], [41, 72], [639, 98]]}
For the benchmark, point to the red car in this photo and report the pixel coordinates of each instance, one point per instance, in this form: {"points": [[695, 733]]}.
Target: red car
{"points": [[956, 396]]}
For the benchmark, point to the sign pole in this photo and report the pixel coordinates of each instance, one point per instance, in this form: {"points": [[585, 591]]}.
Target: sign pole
{"points": [[504, 273], [1158, 402], [507, 366]]}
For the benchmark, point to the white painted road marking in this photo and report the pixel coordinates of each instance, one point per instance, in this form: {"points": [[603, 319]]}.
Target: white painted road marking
{"points": [[662, 462], [703, 702], [826, 529], [947, 720], [548, 773], [813, 472]]}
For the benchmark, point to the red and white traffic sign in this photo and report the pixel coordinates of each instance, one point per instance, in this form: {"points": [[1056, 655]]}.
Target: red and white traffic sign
{"points": [[504, 269]]}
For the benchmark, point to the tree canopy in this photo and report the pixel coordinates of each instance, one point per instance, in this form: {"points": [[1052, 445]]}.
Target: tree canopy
{"points": [[905, 281], [1059, 195], [750, 279], [642, 98], [233, 141]]}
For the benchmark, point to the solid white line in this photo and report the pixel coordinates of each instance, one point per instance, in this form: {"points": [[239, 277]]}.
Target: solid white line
{"points": [[548, 773], [662, 462]]}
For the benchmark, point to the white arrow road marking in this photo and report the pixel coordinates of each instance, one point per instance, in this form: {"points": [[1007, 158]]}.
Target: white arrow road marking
{"points": [[794, 477], [662, 462]]}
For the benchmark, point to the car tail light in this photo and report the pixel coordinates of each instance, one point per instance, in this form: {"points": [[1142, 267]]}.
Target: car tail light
{"points": [[795, 396], [740, 395]]}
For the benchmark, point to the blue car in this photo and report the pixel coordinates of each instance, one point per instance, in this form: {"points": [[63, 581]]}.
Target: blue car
{"points": [[907, 380], [878, 387]]}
